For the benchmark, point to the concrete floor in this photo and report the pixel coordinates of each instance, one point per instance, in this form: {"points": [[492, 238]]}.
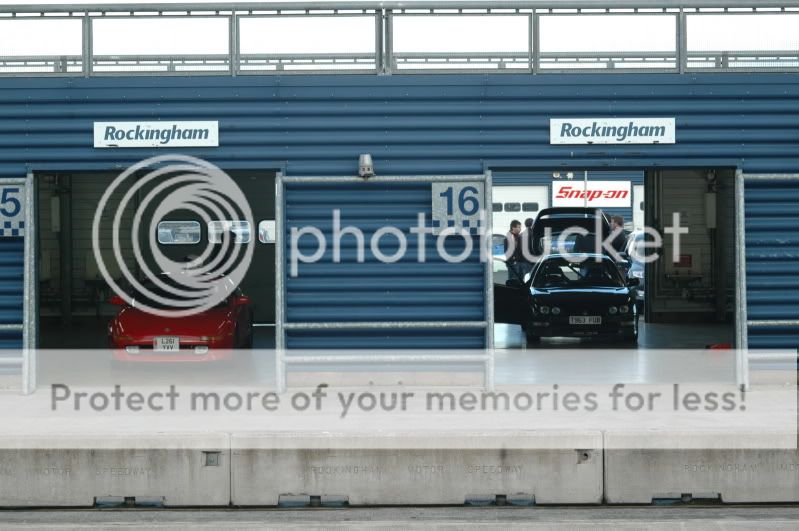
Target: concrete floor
{"points": [[87, 333], [651, 336], [567, 518], [562, 360]]}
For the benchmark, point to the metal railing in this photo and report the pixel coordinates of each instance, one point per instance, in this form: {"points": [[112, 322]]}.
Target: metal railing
{"points": [[385, 58]]}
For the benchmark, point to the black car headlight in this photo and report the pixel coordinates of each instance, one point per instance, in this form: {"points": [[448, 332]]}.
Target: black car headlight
{"points": [[624, 308], [612, 310]]}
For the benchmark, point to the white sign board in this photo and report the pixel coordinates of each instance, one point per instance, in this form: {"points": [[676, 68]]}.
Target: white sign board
{"points": [[602, 194], [458, 205], [12, 210], [155, 134], [612, 131]]}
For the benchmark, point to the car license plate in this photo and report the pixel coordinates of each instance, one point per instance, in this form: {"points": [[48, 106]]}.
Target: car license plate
{"points": [[166, 344], [585, 319]]}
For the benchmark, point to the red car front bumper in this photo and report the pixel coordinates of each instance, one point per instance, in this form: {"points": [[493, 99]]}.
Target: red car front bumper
{"points": [[221, 350]]}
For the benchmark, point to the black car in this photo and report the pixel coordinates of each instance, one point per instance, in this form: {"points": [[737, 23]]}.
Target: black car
{"points": [[574, 296], [551, 224]]}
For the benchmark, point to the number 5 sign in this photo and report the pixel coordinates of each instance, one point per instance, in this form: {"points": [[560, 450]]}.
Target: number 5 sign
{"points": [[12, 213], [458, 205]]}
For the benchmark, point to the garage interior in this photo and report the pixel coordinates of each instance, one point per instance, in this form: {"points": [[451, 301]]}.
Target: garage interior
{"points": [[689, 303], [73, 297]]}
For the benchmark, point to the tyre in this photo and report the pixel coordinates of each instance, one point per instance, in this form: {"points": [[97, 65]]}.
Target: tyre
{"points": [[630, 338], [531, 338], [249, 340]]}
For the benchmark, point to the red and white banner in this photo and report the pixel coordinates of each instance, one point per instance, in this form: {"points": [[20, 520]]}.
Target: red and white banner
{"points": [[592, 193]]}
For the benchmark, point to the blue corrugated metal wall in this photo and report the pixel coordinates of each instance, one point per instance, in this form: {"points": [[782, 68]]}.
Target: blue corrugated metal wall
{"points": [[772, 260], [411, 124], [12, 260], [326, 292]]}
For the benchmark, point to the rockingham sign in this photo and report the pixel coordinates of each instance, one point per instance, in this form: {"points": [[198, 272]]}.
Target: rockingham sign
{"points": [[155, 134], [611, 131]]}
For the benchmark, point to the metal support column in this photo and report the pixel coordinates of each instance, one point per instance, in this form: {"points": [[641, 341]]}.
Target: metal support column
{"points": [[30, 299], [280, 232], [741, 362], [682, 43], [535, 42], [388, 38], [380, 58], [233, 34], [488, 289], [87, 52]]}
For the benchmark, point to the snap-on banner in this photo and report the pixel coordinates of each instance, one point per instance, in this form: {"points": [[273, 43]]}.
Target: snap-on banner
{"points": [[592, 193]]}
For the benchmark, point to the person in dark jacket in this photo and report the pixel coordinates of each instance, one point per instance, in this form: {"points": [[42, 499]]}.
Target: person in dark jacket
{"points": [[513, 249], [620, 240], [527, 251]]}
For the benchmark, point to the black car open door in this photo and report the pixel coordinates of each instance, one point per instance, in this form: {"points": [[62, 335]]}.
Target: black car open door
{"points": [[511, 296]]}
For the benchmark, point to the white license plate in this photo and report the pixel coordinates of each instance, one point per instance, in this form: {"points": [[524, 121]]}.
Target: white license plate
{"points": [[166, 344], [585, 319]]}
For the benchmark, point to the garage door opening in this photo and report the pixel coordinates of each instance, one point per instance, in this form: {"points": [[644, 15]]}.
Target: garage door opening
{"points": [[686, 297], [75, 301]]}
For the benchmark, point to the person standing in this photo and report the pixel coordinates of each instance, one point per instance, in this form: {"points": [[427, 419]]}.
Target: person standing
{"points": [[513, 249], [526, 254], [620, 240]]}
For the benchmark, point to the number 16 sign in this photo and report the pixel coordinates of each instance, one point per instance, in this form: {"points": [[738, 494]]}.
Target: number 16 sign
{"points": [[458, 205]]}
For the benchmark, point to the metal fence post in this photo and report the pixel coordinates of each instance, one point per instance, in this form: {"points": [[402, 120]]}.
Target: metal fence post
{"points": [[535, 43], [29, 330], [280, 343], [233, 35], [380, 61], [87, 51], [742, 361], [489, 279], [388, 37], [682, 42]]}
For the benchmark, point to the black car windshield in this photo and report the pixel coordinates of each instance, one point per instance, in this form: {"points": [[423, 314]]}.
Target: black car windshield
{"points": [[557, 272]]}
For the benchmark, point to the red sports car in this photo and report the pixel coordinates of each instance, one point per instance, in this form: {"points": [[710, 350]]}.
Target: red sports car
{"points": [[138, 336]]}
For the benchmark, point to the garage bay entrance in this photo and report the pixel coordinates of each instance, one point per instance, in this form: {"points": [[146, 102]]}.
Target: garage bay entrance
{"points": [[74, 306], [686, 298]]}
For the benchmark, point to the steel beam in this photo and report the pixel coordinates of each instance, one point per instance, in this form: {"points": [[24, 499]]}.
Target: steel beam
{"points": [[397, 5]]}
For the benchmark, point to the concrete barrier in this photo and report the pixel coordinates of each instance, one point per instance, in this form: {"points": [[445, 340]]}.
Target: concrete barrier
{"points": [[518, 467], [730, 475], [173, 470]]}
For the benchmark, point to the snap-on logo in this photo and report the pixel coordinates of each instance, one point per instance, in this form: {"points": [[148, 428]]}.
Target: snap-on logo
{"points": [[568, 192]]}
